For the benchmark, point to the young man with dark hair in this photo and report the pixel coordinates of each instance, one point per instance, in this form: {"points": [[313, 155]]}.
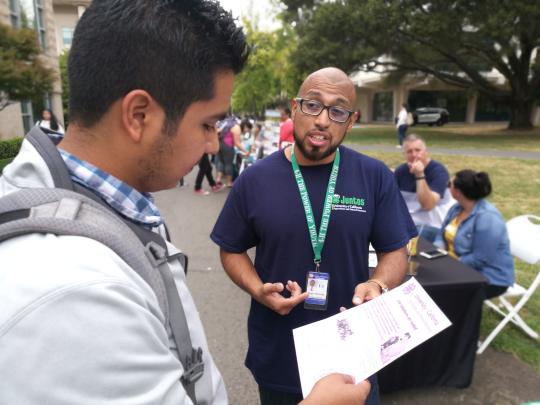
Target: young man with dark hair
{"points": [[148, 81]]}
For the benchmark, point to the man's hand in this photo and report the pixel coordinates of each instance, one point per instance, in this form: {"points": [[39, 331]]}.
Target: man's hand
{"points": [[270, 295], [365, 292], [416, 168], [338, 389]]}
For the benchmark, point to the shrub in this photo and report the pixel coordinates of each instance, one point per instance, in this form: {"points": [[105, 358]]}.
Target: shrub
{"points": [[10, 147], [4, 163]]}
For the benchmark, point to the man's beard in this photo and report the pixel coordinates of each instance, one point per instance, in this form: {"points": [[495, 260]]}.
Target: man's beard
{"points": [[152, 166], [316, 154]]}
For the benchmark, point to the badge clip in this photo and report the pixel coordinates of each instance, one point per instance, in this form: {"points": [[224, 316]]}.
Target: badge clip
{"points": [[317, 265]]}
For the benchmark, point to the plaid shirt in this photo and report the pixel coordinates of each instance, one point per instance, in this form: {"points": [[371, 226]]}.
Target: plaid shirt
{"points": [[130, 203]]}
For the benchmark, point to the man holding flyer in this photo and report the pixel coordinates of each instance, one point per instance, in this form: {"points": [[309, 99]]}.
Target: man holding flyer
{"points": [[311, 211]]}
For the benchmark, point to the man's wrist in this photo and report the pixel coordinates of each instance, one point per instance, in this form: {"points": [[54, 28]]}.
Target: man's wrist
{"points": [[420, 177], [382, 286]]}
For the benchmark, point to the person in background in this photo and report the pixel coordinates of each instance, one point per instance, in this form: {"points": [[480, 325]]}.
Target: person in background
{"points": [[225, 156], [401, 124], [238, 132], [286, 136], [246, 155], [205, 170], [48, 121], [259, 137], [268, 209], [423, 183], [475, 232]]}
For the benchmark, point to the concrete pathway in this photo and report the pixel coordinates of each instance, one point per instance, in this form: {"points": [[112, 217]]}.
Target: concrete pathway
{"points": [[445, 151]]}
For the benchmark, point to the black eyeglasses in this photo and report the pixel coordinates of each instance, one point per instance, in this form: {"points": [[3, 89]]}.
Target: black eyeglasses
{"points": [[314, 107]]}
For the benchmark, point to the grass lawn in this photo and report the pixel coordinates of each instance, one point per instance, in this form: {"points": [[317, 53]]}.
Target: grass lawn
{"points": [[516, 191], [454, 136]]}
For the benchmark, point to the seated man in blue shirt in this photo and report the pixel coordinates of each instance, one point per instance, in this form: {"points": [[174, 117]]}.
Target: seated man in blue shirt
{"points": [[424, 185]]}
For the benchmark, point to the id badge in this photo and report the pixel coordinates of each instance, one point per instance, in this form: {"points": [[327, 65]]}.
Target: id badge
{"points": [[317, 289]]}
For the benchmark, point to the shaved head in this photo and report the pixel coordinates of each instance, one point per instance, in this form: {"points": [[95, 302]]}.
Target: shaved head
{"points": [[333, 77], [316, 135]]}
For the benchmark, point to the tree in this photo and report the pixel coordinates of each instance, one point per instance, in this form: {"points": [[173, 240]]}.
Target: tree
{"points": [[22, 74], [456, 41], [268, 76]]}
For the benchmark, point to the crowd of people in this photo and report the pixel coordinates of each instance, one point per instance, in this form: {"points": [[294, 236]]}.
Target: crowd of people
{"points": [[242, 141]]}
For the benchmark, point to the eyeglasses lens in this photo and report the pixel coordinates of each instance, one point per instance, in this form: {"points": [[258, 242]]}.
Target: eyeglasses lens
{"points": [[338, 114], [313, 107]]}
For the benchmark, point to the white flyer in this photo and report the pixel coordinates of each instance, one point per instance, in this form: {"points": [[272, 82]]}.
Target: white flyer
{"points": [[364, 339]]}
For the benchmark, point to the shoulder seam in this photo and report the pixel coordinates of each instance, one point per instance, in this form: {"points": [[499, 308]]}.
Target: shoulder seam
{"points": [[56, 294]]}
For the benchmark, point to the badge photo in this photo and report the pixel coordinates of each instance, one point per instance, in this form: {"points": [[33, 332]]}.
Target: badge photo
{"points": [[317, 289]]}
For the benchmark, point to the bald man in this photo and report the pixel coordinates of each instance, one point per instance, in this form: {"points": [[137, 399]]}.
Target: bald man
{"points": [[423, 183], [278, 205]]}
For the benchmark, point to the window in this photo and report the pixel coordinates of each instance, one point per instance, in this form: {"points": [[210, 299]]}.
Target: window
{"points": [[27, 116], [40, 27], [15, 13], [29, 14], [67, 37], [382, 106]]}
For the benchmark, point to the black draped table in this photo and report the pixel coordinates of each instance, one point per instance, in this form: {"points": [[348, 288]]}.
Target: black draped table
{"points": [[447, 359]]}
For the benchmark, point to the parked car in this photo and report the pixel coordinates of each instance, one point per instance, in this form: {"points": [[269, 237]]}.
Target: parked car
{"points": [[430, 116]]}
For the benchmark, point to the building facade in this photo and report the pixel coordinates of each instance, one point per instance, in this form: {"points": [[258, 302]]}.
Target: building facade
{"points": [[380, 101], [54, 22]]}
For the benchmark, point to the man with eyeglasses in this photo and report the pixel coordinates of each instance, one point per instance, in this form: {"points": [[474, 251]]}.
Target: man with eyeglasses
{"points": [[311, 210]]}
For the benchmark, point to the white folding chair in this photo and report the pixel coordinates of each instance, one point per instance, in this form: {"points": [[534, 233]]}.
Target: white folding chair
{"points": [[524, 244]]}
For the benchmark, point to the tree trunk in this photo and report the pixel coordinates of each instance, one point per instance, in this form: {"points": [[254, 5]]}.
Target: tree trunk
{"points": [[521, 113]]}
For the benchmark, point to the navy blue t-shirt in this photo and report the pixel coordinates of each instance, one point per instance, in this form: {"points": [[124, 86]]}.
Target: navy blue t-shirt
{"points": [[436, 177], [264, 209]]}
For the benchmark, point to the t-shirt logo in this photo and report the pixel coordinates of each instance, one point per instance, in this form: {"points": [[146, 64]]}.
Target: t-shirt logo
{"points": [[343, 203]]}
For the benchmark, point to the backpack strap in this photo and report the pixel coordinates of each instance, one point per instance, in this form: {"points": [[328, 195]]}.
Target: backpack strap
{"points": [[190, 357], [47, 149]]}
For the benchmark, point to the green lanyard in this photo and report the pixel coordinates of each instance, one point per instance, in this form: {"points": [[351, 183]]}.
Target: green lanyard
{"points": [[317, 240]]}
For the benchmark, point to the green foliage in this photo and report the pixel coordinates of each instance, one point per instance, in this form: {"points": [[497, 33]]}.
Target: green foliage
{"points": [[455, 42], [22, 74], [10, 147], [63, 62], [4, 163], [268, 75]]}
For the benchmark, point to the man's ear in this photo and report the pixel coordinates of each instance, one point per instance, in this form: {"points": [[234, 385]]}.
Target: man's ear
{"points": [[139, 111], [353, 119], [294, 107]]}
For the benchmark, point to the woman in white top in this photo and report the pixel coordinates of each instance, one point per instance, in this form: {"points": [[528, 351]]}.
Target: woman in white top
{"points": [[401, 124], [49, 121]]}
